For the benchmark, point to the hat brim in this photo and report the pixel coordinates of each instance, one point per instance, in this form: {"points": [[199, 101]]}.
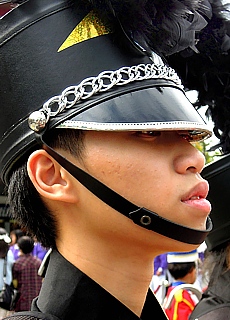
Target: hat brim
{"points": [[154, 108]]}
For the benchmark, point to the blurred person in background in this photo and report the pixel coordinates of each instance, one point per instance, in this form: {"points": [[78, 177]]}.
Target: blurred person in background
{"points": [[25, 274], [161, 277], [7, 5], [7, 259], [15, 235], [182, 295], [38, 251]]}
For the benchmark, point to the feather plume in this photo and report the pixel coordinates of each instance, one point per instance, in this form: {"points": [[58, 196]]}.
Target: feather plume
{"points": [[194, 37], [163, 26], [208, 71]]}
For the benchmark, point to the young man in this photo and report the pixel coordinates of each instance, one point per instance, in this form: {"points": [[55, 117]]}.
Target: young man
{"points": [[104, 173]]}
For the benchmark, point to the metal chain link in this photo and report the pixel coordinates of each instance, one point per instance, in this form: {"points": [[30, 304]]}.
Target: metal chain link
{"points": [[102, 83]]}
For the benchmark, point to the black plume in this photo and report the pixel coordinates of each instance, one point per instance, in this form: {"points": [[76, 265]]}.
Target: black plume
{"points": [[208, 71], [164, 26], [193, 36]]}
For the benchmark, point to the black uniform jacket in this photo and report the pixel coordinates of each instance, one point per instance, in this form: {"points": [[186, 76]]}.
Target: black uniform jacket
{"points": [[69, 294], [215, 302]]}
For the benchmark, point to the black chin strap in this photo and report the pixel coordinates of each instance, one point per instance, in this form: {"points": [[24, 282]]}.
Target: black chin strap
{"points": [[141, 216]]}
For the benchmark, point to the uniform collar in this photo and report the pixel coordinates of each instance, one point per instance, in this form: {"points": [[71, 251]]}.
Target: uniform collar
{"points": [[70, 294]]}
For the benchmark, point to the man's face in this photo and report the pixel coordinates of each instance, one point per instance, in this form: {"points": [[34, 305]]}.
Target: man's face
{"points": [[155, 170]]}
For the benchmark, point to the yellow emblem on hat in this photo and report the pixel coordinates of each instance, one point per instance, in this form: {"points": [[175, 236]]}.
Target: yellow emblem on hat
{"points": [[90, 27]]}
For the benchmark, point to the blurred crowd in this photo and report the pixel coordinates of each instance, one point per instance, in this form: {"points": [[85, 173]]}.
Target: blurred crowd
{"points": [[20, 260], [178, 281]]}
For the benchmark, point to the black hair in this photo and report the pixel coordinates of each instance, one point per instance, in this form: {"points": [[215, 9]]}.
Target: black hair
{"points": [[216, 263], [26, 205], [4, 246], [26, 244], [180, 270], [18, 233]]}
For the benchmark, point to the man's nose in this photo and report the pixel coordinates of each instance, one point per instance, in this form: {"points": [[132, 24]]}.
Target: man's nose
{"points": [[189, 159]]}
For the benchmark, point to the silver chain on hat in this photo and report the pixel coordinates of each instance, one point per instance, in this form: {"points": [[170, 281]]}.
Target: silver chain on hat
{"points": [[93, 85]]}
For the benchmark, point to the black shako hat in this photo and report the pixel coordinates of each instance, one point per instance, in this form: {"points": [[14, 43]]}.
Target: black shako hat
{"points": [[67, 64], [96, 78], [218, 175]]}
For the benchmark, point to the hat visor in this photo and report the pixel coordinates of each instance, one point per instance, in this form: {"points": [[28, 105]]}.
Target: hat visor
{"points": [[155, 108]]}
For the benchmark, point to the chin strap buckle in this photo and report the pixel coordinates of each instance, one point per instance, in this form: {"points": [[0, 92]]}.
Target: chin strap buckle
{"points": [[152, 221]]}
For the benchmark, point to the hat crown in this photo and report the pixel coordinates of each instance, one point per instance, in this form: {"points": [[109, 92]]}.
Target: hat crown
{"points": [[48, 46], [37, 44]]}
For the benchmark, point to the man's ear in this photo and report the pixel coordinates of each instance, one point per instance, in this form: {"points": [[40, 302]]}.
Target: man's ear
{"points": [[50, 179]]}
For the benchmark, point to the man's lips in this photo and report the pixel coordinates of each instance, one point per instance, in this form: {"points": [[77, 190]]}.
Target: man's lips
{"points": [[196, 197]]}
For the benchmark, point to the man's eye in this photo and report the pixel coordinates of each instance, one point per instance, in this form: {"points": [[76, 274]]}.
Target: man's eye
{"points": [[185, 136], [149, 133]]}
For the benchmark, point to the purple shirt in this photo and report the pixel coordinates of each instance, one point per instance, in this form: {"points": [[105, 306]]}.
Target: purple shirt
{"points": [[160, 262], [39, 251]]}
